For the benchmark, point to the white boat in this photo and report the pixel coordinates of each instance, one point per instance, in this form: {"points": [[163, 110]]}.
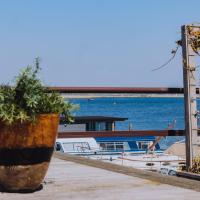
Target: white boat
{"points": [[89, 146], [161, 162], [77, 146], [153, 161]]}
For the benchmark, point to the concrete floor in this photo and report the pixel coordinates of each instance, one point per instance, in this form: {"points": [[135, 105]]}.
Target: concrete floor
{"points": [[67, 180]]}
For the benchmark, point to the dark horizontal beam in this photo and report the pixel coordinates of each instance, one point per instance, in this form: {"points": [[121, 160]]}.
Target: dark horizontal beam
{"points": [[131, 133], [149, 90]]}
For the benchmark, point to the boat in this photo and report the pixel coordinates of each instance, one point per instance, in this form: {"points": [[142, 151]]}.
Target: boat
{"points": [[160, 162], [112, 145], [138, 152], [163, 163]]}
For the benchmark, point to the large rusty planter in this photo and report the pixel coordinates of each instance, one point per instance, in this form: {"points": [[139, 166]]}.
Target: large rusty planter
{"points": [[25, 152]]}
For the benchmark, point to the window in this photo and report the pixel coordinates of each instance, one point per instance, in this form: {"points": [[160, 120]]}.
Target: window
{"points": [[112, 146], [100, 126], [68, 147], [76, 146], [109, 126], [58, 147], [90, 126], [143, 145], [81, 146], [119, 146]]}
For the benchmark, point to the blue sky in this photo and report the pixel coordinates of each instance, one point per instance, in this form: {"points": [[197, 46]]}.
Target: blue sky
{"points": [[94, 43]]}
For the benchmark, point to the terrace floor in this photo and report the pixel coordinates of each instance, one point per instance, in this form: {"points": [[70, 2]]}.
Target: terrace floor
{"points": [[71, 180]]}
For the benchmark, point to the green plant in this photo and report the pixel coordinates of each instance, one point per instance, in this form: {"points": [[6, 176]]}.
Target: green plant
{"points": [[28, 98]]}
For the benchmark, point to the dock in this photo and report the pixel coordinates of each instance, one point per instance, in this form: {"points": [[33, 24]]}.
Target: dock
{"points": [[81, 179]]}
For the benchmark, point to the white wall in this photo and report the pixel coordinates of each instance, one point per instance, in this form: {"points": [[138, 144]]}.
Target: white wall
{"points": [[71, 128]]}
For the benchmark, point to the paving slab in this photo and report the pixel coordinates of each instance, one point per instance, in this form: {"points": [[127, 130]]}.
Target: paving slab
{"points": [[69, 180]]}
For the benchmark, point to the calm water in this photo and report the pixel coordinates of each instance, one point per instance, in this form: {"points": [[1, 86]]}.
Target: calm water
{"points": [[142, 113]]}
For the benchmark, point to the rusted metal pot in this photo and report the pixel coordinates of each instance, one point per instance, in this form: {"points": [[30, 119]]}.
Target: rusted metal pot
{"points": [[25, 152]]}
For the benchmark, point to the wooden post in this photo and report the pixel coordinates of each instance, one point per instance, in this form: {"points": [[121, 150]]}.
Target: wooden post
{"points": [[189, 96]]}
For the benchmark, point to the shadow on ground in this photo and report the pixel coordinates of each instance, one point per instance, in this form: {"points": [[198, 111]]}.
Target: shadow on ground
{"points": [[3, 189]]}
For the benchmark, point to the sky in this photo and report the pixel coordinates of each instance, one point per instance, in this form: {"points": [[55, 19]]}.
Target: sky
{"points": [[95, 42]]}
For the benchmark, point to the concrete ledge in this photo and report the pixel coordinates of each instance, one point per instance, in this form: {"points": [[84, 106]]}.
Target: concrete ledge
{"points": [[189, 175], [130, 171]]}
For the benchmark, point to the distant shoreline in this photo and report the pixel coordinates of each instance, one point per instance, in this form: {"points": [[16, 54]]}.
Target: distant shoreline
{"points": [[91, 96]]}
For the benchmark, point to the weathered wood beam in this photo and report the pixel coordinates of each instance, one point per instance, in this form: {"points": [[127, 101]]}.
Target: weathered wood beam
{"points": [[132, 133], [137, 90]]}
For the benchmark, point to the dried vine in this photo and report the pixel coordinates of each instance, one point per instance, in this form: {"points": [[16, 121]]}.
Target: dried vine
{"points": [[194, 39], [195, 166]]}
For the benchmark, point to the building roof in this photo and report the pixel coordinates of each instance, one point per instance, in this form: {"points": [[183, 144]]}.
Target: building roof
{"points": [[85, 119]]}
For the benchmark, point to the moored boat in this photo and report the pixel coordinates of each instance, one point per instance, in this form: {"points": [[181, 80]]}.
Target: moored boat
{"points": [[108, 144]]}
